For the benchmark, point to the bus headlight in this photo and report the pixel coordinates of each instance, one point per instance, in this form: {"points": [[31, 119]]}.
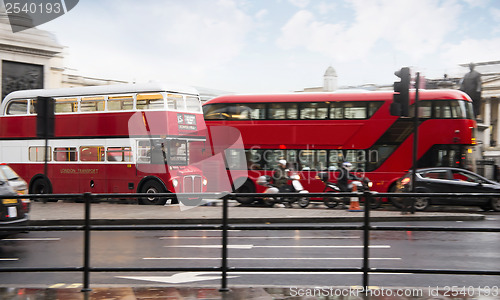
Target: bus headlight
{"points": [[175, 182], [205, 181]]}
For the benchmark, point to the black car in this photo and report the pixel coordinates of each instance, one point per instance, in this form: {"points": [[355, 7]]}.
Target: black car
{"points": [[449, 180], [13, 212]]}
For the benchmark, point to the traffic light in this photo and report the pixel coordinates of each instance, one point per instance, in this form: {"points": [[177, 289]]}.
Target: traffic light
{"points": [[401, 97], [45, 117]]}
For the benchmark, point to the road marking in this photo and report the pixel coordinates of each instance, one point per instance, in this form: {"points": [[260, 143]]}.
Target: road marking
{"points": [[260, 237], [184, 277], [247, 247], [270, 258], [33, 239], [9, 259], [187, 277], [57, 285]]}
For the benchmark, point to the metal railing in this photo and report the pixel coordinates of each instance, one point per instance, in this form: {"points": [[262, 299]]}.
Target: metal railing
{"points": [[225, 226]]}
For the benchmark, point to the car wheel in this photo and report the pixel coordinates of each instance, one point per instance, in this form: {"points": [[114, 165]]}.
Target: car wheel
{"points": [[421, 203], [495, 204], [153, 187]]}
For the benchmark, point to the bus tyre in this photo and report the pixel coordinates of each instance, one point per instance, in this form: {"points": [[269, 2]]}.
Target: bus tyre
{"points": [[152, 187], [495, 204], [41, 185]]}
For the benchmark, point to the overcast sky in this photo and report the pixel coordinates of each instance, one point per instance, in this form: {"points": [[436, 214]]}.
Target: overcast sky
{"points": [[258, 46]]}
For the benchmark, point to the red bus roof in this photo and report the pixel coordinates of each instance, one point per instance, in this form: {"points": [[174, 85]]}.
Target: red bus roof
{"points": [[337, 96]]}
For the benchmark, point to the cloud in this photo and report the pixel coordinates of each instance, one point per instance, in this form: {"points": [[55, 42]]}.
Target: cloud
{"points": [[156, 40], [472, 50], [300, 3], [414, 27]]}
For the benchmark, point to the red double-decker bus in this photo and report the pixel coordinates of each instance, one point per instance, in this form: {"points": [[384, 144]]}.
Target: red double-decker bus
{"points": [[316, 132], [108, 139]]}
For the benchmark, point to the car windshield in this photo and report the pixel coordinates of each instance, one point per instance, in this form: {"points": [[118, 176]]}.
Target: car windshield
{"points": [[7, 173]]}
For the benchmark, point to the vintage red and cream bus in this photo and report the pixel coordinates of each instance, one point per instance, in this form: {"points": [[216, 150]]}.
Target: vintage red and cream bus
{"points": [[108, 139], [318, 131]]}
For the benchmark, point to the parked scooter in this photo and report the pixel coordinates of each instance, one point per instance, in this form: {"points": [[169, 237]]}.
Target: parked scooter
{"points": [[296, 187], [363, 184]]}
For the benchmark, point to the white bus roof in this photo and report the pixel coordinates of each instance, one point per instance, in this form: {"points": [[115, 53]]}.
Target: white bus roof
{"points": [[102, 90]]}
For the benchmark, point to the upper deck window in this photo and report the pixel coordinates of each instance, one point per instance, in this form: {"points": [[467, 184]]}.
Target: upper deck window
{"points": [[66, 105], [17, 107], [124, 102], [279, 111], [193, 104], [175, 102], [314, 111], [150, 101], [92, 104], [339, 110], [444, 109]]}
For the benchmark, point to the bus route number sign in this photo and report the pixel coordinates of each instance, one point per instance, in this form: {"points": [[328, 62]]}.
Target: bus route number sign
{"points": [[186, 122]]}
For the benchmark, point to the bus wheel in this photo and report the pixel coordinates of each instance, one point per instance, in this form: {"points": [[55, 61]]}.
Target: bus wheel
{"points": [[152, 187], [41, 186]]}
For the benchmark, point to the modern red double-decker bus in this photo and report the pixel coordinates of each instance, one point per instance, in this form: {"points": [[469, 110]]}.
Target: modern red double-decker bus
{"points": [[108, 139], [316, 132]]}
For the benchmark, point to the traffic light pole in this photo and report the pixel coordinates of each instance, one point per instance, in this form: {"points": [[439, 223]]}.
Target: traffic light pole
{"points": [[415, 138]]}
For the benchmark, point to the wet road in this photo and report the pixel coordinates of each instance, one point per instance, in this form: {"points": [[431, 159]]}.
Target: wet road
{"points": [[299, 248]]}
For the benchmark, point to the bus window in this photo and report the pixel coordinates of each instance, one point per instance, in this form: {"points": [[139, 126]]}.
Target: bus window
{"points": [[177, 153], [314, 111], [119, 154], [336, 111], [37, 153], [175, 102], [120, 103], [373, 107], [17, 107], [92, 104], [279, 111], [92, 153], [65, 154], [442, 109], [193, 104], [256, 111], [457, 111], [150, 101], [355, 110], [66, 105]]}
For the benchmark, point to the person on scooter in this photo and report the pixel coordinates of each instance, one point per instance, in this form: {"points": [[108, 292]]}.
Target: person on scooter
{"points": [[343, 180], [280, 177]]}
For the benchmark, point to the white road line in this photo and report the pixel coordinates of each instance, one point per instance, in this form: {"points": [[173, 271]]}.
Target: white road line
{"points": [[286, 246], [270, 258], [9, 259], [33, 239], [260, 237]]}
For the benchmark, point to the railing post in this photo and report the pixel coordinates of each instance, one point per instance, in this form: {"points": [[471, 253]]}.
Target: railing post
{"points": [[366, 238], [87, 198], [224, 243]]}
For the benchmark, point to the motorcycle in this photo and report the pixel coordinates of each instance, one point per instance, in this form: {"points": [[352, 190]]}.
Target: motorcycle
{"points": [[362, 184], [295, 187]]}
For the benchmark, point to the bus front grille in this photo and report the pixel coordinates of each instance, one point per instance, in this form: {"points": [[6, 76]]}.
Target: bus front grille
{"points": [[193, 184]]}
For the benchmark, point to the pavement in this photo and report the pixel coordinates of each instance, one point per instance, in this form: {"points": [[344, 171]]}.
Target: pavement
{"points": [[62, 213]]}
